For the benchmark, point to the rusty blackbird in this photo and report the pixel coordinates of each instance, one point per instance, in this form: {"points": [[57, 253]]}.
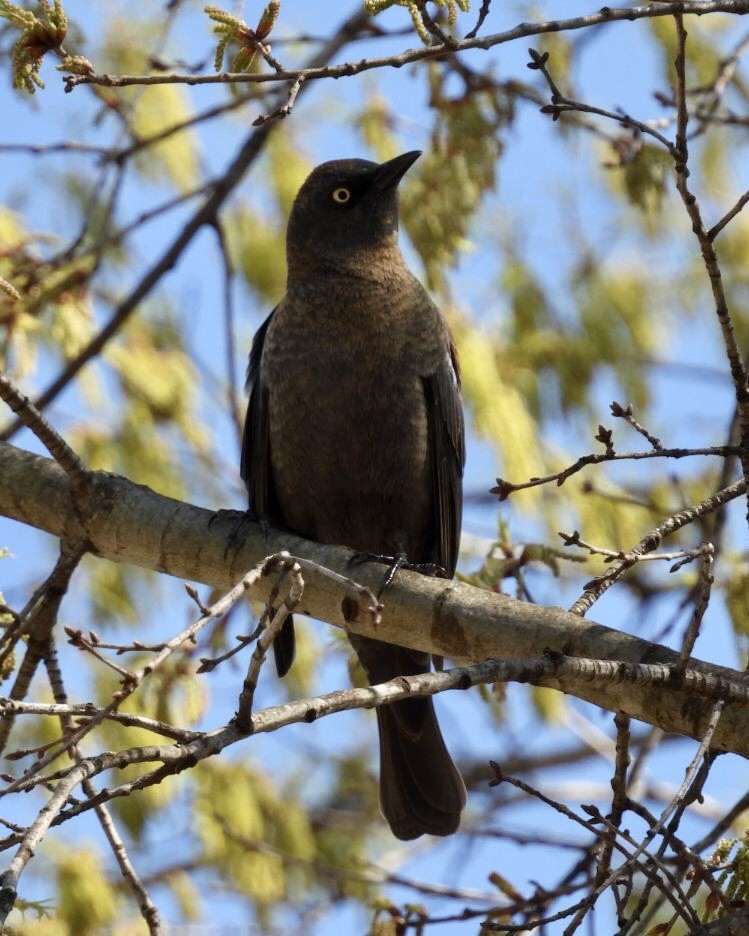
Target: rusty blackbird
{"points": [[354, 435]]}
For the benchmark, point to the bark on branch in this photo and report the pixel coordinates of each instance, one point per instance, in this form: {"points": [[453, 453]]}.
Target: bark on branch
{"points": [[126, 522]]}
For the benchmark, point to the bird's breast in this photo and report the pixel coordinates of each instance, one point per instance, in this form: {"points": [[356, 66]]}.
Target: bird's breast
{"points": [[348, 424]]}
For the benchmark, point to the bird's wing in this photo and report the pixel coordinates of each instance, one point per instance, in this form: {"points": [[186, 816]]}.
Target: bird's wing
{"points": [[255, 468], [255, 465], [447, 453]]}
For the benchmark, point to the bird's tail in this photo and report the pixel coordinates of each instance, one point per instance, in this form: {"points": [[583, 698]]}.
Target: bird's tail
{"points": [[421, 791]]}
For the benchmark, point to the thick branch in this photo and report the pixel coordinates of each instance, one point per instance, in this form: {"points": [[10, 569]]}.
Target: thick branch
{"points": [[126, 522]]}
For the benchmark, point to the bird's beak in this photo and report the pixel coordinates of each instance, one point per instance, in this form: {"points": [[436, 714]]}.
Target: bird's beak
{"points": [[388, 174]]}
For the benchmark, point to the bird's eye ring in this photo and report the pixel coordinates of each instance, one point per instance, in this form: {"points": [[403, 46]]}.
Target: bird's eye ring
{"points": [[341, 195]]}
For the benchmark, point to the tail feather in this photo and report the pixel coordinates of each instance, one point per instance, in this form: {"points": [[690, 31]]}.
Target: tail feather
{"points": [[284, 647], [421, 790]]}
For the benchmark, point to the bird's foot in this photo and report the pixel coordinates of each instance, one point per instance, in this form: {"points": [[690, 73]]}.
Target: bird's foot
{"points": [[395, 563], [242, 521]]}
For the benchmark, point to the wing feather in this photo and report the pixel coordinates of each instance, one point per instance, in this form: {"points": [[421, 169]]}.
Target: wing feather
{"points": [[447, 454]]}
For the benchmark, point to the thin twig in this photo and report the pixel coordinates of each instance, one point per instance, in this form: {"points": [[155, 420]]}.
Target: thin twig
{"points": [[715, 92], [599, 826], [36, 624], [291, 571], [179, 757], [679, 802], [728, 216], [30, 417], [632, 557], [704, 587], [148, 909], [627, 413], [348, 69], [483, 13], [284, 109], [132, 680], [561, 104], [595, 588], [11, 708], [619, 788], [712, 267], [504, 488]]}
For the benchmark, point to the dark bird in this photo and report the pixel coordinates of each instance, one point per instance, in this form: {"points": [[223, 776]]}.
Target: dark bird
{"points": [[354, 435]]}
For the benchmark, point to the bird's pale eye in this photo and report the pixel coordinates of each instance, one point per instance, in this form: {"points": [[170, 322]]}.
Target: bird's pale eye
{"points": [[341, 195]]}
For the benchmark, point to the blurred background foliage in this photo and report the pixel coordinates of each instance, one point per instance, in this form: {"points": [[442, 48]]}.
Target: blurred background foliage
{"points": [[558, 308]]}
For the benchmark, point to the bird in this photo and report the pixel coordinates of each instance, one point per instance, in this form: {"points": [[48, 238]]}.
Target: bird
{"points": [[355, 436]]}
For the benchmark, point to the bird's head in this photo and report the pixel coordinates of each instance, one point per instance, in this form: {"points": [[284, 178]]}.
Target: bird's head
{"points": [[345, 208]]}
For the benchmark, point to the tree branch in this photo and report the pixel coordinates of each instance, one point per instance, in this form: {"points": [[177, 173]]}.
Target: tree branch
{"points": [[348, 69], [126, 522]]}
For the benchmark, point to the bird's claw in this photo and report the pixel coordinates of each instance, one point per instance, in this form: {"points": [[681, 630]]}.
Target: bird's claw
{"points": [[395, 563]]}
